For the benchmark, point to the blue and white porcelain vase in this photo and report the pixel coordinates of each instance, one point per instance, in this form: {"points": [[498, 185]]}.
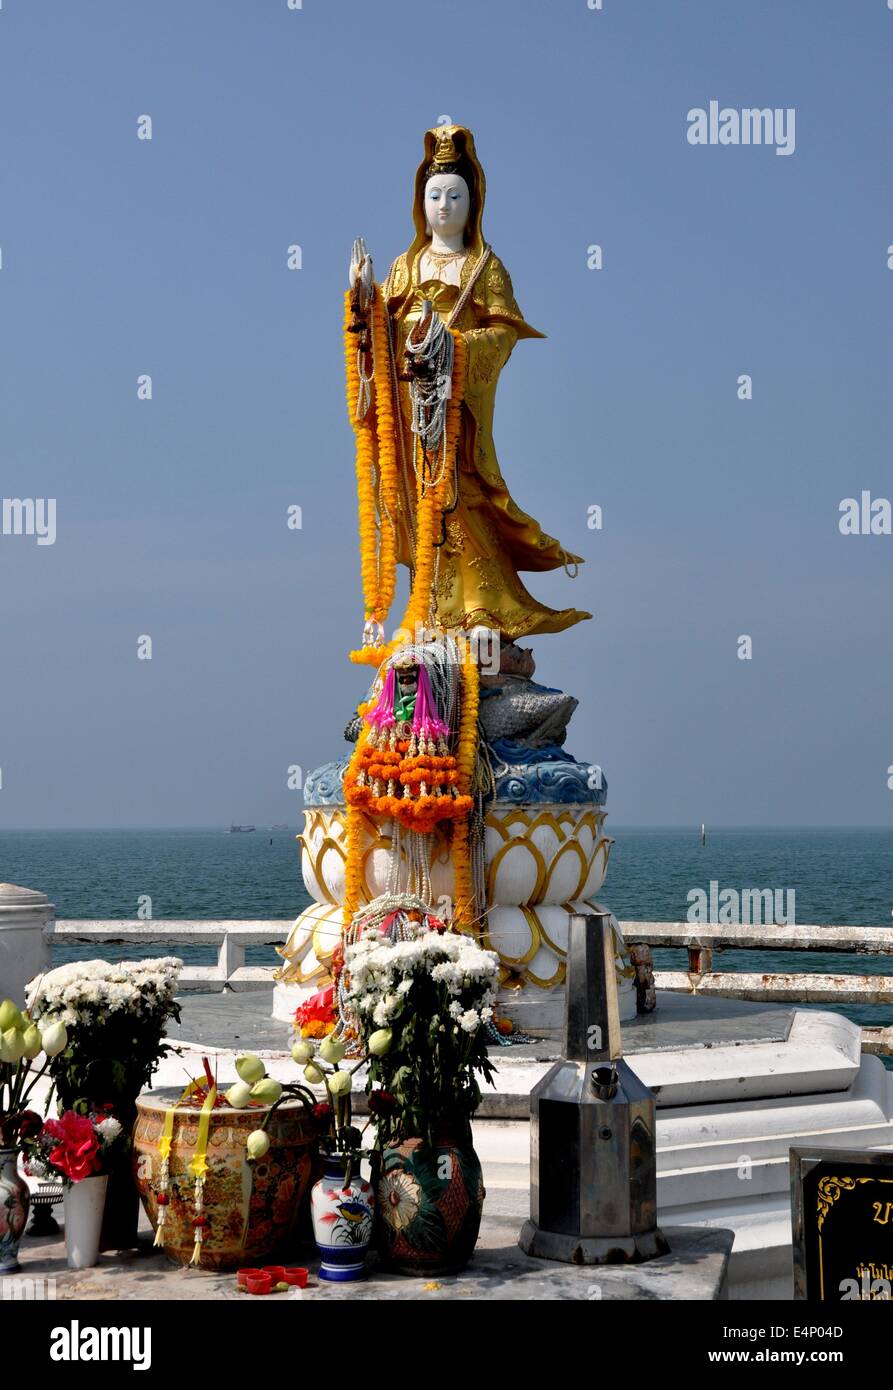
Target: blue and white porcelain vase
{"points": [[342, 1221]]}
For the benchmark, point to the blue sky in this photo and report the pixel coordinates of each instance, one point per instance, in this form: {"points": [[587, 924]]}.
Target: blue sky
{"points": [[274, 126]]}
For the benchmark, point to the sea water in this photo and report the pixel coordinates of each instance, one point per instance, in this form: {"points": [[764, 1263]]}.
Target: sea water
{"points": [[837, 876]]}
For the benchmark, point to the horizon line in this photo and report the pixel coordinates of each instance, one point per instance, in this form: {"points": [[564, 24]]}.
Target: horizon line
{"points": [[694, 826]]}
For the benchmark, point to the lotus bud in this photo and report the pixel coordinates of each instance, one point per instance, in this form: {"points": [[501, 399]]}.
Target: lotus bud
{"points": [[380, 1042], [266, 1090], [250, 1068], [302, 1051], [10, 1016], [12, 1045], [31, 1041], [54, 1039], [340, 1083], [238, 1095], [331, 1050], [257, 1143], [313, 1074]]}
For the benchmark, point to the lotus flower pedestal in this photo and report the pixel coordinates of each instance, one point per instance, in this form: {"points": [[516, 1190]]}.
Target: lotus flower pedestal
{"points": [[546, 857]]}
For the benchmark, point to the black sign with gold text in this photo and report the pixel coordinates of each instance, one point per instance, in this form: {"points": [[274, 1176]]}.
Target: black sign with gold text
{"points": [[842, 1210]]}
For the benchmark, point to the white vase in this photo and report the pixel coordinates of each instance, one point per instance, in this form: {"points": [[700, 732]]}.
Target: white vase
{"points": [[84, 1202]]}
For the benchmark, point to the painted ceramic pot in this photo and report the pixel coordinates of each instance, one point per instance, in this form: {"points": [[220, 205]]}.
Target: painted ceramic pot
{"points": [[249, 1209], [430, 1201], [15, 1198], [342, 1222]]}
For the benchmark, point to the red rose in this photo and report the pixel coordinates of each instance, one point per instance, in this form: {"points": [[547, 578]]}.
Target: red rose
{"points": [[30, 1124], [322, 1112], [382, 1103], [77, 1148]]}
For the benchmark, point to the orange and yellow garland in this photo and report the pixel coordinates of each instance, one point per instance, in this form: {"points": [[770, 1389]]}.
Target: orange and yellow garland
{"points": [[464, 909], [376, 447], [419, 813]]}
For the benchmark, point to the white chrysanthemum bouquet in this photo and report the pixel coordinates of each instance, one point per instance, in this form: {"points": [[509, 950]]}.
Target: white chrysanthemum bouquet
{"points": [[421, 1007], [115, 1016]]}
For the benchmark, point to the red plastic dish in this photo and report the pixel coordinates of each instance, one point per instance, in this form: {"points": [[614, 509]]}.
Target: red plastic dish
{"points": [[297, 1277]]}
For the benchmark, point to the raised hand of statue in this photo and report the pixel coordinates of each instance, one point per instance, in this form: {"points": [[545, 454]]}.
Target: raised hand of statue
{"points": [[361, 275]]}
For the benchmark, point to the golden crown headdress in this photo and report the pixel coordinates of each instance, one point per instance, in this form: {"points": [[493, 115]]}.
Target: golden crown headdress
{"points": [[445, 151]]}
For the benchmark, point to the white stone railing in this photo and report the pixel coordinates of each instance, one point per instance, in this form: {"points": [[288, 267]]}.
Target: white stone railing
{"points": [[230, 938], [700, 940]]}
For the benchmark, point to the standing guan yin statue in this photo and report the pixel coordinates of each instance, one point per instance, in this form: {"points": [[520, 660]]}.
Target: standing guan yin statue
{"points": [[459, 798]]}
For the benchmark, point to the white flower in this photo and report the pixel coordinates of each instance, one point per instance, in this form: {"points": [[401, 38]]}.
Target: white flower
{"points": [[109, 1128], [381, 972], [88, 991]]}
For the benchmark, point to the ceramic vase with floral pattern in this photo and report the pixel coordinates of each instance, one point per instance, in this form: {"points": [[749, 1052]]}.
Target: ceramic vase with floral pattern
{"points": [[430, 1201], [342, 1222], [15, 1198]]}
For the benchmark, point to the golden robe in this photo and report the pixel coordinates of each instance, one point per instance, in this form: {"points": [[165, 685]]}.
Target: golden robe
{"points": [[487, 538]]}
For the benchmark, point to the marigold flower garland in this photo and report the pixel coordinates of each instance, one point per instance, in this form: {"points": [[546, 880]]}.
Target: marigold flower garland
{"points": [[407, 773], [354, 869], [433, 787], [375, 449], [365, 466], [464, 907], [376, 444]]}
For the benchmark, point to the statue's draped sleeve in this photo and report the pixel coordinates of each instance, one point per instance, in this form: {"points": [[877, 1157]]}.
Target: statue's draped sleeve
{"points": [[489, 346]]}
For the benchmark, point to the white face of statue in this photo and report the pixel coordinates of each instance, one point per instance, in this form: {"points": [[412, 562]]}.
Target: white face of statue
{"points": [[447, 204]]}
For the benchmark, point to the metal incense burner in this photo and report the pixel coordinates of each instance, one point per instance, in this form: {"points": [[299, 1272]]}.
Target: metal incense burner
{"points": [[593, 1170]]}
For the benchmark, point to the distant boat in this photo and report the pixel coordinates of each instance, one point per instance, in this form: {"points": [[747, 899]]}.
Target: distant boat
{"points": [[280, 827], [240, 829], [703, 834]]}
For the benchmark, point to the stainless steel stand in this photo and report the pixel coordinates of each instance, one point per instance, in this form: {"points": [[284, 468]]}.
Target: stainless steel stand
{"points": [[593, 1167]]}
